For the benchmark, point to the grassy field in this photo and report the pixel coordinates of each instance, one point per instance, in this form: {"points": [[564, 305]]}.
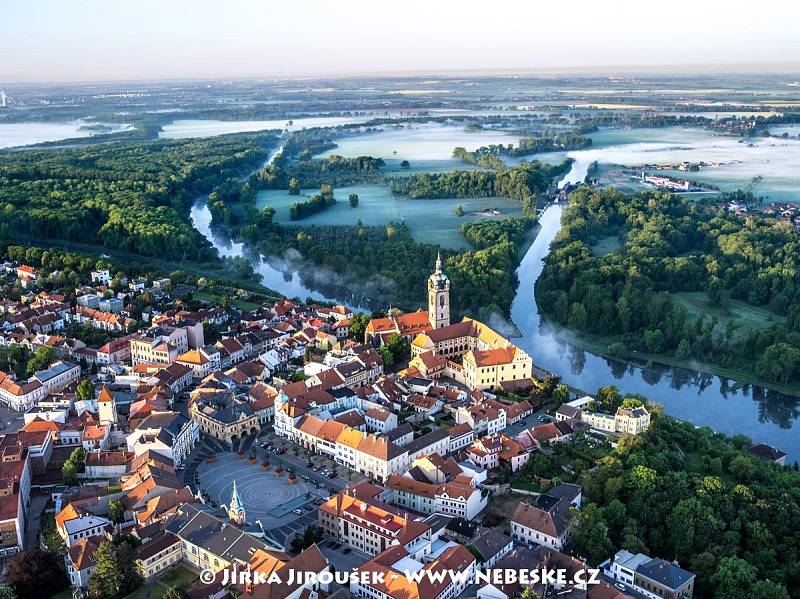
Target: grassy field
{"points": [[430, 220], [178, 577], [748, 318], [606, 245], [207, 296]]}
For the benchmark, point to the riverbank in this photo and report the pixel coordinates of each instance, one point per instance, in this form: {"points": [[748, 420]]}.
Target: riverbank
{"points": [[598, 345], [763, 414]]}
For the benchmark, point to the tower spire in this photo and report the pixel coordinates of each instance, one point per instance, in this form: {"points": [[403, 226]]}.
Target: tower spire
{"points": [[438, 296], [236, 509]]}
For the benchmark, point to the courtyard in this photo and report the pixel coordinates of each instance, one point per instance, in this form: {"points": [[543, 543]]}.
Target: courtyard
{"points": [[267, 498]]}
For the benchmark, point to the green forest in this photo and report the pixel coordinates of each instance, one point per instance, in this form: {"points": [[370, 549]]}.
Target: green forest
{"points": [[690, 494], [129, 196], [670, 250]]}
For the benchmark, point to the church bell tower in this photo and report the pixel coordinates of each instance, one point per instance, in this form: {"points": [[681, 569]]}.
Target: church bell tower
{"points": [[236, 509], [439, 297]]}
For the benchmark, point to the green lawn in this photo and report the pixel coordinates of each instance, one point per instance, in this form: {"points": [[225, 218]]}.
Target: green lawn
{"points": [[50, 535], [178, 577], [527, 486], [605, 245], [748, 318], [696, 464], [217, 298]]}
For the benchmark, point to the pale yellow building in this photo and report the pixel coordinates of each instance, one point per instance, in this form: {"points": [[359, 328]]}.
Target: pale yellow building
{"points": [[487, 369]]}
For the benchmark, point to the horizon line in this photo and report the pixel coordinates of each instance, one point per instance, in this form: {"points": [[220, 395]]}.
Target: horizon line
{"points": [[772, 67]]}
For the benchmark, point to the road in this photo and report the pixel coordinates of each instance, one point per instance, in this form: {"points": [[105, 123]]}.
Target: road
{"points": [[514, 429]]}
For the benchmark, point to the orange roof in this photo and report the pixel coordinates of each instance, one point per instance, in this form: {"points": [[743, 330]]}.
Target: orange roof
{"points": [[70, 512], [94, 432], [105, 396], [39, 424], [81, 553], [495, 357], [331, 430], [193, 357], [350, 437]]}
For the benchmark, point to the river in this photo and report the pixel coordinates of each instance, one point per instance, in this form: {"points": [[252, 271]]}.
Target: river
{"points": [[705, 400]]}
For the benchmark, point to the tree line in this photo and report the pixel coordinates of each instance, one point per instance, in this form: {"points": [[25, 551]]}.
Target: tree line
{"points": [[522, 183], [316, 203]]}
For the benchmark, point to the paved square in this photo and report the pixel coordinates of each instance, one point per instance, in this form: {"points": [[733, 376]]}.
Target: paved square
{"points": [[261, 491]]}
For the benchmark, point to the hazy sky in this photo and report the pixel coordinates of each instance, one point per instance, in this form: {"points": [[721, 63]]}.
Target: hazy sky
{"points": [[82, 40]]}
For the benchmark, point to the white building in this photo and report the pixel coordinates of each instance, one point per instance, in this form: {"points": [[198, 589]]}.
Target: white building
{"points": [[58, 375], [458, 498], [171, 434], [652, 577]]}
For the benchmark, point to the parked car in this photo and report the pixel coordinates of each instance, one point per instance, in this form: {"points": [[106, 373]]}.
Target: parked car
{"points": [[298, 512], [621, 586], [346, 550]]}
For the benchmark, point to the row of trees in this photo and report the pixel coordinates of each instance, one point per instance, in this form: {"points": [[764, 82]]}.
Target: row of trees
{"points": [[75, 464], [671, 245], [317, 203], [522, 183]]}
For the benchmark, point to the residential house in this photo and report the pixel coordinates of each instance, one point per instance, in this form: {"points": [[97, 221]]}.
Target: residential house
{"points": [[548, 520], [654, 578]]}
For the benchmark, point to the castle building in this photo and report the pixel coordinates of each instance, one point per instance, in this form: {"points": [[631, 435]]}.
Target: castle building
{"points": [[439, 297], [411, 324]]}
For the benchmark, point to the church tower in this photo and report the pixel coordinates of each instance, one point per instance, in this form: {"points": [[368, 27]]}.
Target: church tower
{"points": [[107, 408], [236, 508], [439, 297]]}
